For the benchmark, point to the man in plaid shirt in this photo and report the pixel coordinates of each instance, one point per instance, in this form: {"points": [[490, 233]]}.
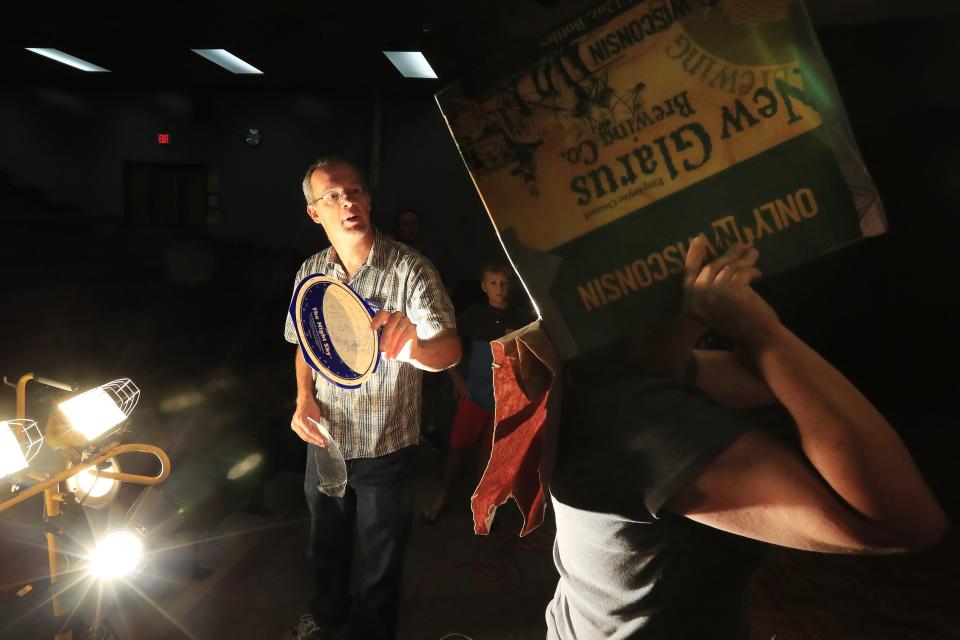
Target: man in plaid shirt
{"points": [[375, 425]]}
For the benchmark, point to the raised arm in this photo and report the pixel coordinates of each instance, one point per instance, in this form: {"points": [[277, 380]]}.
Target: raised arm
{"points": [[852, 487], [669, 350], [427, 312]]}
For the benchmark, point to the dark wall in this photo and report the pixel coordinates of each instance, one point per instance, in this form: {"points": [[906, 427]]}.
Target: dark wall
{"points": [[885, 307], [422, 169], [73, 146], [883, 310]]}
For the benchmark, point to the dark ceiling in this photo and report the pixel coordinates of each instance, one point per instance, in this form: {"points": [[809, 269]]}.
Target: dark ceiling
{"points": [[298, 44], [309, 45]]}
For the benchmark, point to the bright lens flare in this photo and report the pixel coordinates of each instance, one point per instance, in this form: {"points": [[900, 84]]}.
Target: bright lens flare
{"points": [[118, 554], [92, 413], [245, 466], [11, 455]]}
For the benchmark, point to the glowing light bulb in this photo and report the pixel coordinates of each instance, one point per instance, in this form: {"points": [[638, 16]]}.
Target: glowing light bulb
{"points": [[93, 412], [119, 553], [86, 417], [93, 490]]}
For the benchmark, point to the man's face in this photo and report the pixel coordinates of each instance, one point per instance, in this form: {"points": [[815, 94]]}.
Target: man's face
{"points": [[408, 227], [497, 288], [341, 204]]}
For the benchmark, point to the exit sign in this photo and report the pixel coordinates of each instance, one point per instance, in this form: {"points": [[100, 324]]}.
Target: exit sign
{"points": [[163, 138]]}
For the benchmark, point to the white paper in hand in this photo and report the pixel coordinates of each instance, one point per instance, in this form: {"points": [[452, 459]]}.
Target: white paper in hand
{"points": [[331, 468]]}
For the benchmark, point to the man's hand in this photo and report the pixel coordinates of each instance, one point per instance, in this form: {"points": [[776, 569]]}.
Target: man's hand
{"points": [[305, 420], [719, 295], [398, 341]]}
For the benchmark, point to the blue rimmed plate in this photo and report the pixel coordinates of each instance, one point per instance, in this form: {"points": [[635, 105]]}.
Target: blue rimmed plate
{"points": [[333, 329]]}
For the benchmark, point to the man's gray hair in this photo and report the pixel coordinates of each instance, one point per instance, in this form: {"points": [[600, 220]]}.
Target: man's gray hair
{"points": [[323, 163]]}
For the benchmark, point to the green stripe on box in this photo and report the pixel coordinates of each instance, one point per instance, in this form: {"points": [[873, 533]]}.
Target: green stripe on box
{"points": [[784, 177]]}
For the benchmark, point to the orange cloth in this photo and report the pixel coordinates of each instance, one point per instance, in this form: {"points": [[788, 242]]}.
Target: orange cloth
{"points": [[526, 388]]}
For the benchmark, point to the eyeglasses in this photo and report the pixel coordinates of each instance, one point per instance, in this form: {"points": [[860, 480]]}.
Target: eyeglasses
{"points": [[338, 195]]}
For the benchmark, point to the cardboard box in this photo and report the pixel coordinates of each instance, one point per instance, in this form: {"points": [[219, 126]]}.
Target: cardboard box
{"points": [[638, 125]]}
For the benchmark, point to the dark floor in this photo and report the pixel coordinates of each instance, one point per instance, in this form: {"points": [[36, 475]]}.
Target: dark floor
{"points": [[455, 582], [216, 391], [253, 583]]}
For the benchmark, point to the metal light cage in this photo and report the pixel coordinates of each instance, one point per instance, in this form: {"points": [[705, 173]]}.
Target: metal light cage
{"points": [[28, 434], [124, 393], [92, 416]]}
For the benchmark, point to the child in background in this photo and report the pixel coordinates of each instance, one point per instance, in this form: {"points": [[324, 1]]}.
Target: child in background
{"points": [[480, 324]]}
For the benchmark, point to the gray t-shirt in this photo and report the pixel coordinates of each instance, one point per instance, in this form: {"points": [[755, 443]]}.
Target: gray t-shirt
{"points": [[627, 569]]}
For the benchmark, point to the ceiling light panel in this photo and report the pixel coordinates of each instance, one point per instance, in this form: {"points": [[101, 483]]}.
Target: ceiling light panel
{"points": [[67, 59], [228, 61], [412, 64]]}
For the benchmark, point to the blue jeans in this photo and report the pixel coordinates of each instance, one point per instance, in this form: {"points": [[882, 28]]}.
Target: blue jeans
{"points": [[378, 506]]}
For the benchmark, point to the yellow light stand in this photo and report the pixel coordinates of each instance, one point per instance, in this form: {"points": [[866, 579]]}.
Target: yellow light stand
{"points": [[50, 486]]}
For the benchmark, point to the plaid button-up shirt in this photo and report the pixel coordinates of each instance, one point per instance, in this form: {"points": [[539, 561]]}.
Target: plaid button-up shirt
{"points": [[383, 414]]}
